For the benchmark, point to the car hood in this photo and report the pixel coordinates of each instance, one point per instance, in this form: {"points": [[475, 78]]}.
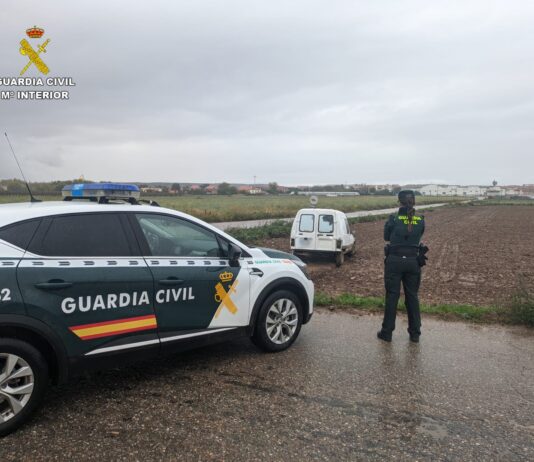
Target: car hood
{"points": [[273, 253]]}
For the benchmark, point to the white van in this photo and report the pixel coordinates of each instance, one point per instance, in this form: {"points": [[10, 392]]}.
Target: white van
{"points": [[322, 231]]}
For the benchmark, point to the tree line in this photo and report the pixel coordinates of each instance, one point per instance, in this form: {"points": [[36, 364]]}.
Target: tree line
{"points": [[53, 188]]}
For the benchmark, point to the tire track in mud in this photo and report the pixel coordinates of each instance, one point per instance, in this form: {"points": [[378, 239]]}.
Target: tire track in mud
{"points": [[447, 263]]}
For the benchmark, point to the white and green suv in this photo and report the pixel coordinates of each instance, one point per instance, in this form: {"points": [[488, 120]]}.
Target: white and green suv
{"points": [[88, 284]]}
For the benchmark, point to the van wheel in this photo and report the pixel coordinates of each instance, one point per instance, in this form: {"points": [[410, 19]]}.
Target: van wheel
{"points": [[23, 382], [340, 258], [279, 321], [352, 250]]}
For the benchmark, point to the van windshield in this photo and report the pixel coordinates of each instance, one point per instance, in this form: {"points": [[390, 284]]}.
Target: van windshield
{"points": [[326, 223], [307, 223]]}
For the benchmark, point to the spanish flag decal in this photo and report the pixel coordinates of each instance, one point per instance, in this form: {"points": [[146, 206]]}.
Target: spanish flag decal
{"points": [[109, 328]]}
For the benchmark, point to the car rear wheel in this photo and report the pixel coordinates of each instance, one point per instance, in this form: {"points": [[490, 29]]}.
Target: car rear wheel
{"points": [[23, 382], [279, 321]]}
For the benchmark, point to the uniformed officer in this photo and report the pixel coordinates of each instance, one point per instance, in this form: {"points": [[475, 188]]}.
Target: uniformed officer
{"points": [[403, 264]]}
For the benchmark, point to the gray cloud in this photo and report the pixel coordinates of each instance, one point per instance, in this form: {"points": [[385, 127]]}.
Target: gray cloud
{"points": [[305, 92]]}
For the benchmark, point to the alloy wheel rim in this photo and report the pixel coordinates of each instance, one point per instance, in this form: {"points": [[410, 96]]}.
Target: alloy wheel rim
{"points": [[16, 385], [282, 320]]}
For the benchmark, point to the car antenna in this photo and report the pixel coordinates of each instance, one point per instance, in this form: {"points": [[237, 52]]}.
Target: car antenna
{"points": [[32, 199]]}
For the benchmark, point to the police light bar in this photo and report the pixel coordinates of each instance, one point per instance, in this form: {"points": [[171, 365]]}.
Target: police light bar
{"points": [[101, 192]]}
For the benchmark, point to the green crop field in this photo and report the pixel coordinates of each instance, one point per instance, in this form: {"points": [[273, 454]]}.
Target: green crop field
{"points": [[240, 207]]}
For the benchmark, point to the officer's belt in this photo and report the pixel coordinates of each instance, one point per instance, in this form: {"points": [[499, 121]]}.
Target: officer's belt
{"points": [[404, 251]]}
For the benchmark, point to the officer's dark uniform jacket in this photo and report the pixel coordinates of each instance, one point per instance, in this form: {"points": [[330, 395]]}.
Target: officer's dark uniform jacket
{"points": [[404, 234], [396, 229]]}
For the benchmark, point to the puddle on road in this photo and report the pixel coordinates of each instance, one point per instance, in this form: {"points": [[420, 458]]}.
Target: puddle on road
{"points": [[411, 423], [433, 428]]}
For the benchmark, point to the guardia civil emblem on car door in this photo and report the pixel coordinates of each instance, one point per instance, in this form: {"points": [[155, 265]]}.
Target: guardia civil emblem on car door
{"points": [[223, 295]]}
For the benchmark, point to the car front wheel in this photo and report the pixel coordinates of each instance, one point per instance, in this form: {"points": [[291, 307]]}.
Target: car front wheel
{"points": [[279, 321], [23, 382]]}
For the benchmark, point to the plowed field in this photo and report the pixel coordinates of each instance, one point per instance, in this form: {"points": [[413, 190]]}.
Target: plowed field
{"points": [[478, 255]]}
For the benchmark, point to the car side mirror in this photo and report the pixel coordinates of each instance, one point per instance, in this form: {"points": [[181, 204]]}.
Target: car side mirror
{"points": [[234, 254]]}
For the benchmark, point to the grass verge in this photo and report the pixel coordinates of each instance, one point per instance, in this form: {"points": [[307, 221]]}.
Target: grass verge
{"points": [[523, 313]]}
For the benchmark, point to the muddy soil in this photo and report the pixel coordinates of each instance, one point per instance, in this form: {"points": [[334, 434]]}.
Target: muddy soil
{"points": [[478, 255]]}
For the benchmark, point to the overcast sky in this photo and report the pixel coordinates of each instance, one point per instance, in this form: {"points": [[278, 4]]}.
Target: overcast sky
{"points": [[297, 92]]}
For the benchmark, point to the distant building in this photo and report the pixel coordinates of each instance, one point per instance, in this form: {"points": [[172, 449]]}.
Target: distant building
{"points": [[150, 189], [452, 190], [495, 191], [328, 193], [469, 191], [212, 189], [247, 189], [437, 190], [386, 187]]}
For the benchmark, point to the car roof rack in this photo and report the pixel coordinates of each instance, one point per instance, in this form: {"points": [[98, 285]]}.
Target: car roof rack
{"points": [[105, 193]]}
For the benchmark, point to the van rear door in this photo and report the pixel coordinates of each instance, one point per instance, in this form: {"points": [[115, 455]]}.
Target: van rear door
{"points": [[305, 235], [326, 241]]}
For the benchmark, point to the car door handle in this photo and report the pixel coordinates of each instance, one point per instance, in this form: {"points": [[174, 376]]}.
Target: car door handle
{"points": [[170, 282], [53, 285], [256, 272]]}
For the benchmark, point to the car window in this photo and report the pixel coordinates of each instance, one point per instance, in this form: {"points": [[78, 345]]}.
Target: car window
{"points": [[347, 226], [326, 223], [307, 223], [87, 235], [173, 237], [19, 234]]}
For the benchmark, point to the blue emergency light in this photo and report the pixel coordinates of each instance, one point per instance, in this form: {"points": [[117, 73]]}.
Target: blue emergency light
{"points": [[101, 192]]}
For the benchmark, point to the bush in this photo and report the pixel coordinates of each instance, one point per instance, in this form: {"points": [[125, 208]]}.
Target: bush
{"points": [[521, 311], [251, 236]]}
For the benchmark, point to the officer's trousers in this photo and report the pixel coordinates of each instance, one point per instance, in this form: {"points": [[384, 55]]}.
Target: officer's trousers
{"points": [[406, 270]]}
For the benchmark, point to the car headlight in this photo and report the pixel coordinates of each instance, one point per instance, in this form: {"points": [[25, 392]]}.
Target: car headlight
{"points": [[303, 267]]}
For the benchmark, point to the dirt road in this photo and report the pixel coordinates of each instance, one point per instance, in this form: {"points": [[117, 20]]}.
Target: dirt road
{"points": [[478, 255]]}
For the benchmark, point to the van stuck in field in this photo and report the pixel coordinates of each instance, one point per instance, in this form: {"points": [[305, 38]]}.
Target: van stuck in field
{"points": [[322, 232]]}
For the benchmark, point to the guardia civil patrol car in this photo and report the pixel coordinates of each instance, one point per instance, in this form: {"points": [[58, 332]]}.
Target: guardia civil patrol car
{"points": [[92, 283]]}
